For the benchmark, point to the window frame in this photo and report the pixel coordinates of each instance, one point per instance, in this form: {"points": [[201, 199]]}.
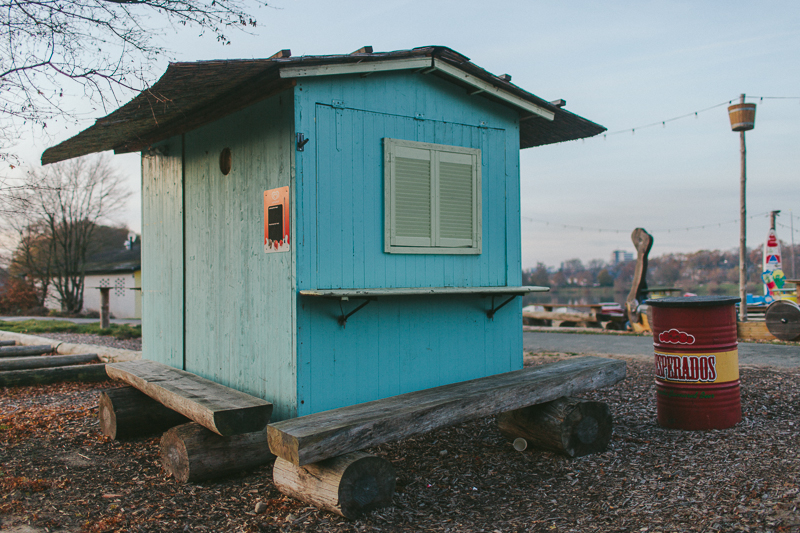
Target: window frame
{"points": [[438, 244]]}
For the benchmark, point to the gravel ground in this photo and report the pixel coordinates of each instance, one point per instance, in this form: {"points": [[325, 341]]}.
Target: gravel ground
{"points": [[59, 474], [102, 340]]}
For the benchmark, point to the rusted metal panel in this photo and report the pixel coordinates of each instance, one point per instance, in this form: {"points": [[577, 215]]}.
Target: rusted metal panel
{"points": [[696, 362]]}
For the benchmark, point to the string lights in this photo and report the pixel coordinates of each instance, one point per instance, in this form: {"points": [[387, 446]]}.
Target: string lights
{"points": [[625, 231], [663, 123]]}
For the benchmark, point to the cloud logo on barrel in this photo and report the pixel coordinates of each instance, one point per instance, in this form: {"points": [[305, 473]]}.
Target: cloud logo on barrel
{"points": [[675, 336]]}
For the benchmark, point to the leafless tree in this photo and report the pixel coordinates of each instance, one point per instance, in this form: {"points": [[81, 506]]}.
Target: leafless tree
{"points": [[59, 213], [102, 48]]}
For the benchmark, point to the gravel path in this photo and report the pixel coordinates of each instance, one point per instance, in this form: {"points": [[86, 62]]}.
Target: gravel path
{"points": [[750, 353], [101, 340], [59, 473]]}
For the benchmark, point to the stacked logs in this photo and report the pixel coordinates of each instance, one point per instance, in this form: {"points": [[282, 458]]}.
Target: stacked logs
{"points": [[28, 365], [350, 484]]}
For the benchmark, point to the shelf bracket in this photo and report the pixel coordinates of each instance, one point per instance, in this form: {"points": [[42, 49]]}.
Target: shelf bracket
{"points": [[343, 318], [494, 309]]}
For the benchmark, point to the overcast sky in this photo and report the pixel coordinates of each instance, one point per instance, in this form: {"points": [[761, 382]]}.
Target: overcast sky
{"points": [[621, 64]]}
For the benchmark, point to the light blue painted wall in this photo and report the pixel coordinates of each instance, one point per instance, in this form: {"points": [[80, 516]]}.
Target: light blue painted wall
{"points": [[396, 345], [162, 254], [240, 303], [245, 325]]}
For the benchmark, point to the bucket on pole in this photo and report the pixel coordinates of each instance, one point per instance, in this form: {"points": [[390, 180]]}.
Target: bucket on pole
{"points": [[742, 116], [696, 362]]}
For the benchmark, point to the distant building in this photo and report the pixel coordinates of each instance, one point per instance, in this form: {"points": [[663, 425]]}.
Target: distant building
{"points": [[620, 256], [120, 269]]}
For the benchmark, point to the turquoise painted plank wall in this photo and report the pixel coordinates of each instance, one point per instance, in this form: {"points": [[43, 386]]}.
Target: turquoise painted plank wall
{"points": [[240, 302], [162, 254], [396, 345]]}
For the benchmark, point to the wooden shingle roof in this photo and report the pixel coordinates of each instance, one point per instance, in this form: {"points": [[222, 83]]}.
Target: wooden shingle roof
{"points": [[189, 95]]}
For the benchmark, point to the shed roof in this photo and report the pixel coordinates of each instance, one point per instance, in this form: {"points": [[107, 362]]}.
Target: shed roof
{"points": [[117, 260], [189, 95]]}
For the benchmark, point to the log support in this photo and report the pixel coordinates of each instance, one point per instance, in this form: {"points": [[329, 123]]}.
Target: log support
{"points": [[44, 376], [126, 413], [348, 485], [568, 426], [21, 351], [190, 452]]}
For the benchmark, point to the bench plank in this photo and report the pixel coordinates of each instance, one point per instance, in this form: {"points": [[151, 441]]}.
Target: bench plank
{"points": [[223, 410], [313, 438]]}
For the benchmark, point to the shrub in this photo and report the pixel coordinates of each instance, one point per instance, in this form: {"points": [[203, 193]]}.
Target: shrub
{"points": [[17, 297]]}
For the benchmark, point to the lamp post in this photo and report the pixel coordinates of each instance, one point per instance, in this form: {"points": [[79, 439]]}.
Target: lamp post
{"points": [[743, 118]]}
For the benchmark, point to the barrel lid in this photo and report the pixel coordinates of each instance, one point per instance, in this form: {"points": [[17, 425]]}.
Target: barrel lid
{"points": [[693, 301]]}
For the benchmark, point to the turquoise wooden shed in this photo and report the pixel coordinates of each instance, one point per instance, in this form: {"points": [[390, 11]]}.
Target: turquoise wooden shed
{"points": [[321, 231]]}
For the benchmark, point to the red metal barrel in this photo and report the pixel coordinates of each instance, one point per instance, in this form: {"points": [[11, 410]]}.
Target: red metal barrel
{"points": [[696, 362]]}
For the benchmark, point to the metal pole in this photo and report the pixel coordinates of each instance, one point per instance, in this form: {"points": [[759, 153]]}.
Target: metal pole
{"points": [[791, 229], [742, 228]]}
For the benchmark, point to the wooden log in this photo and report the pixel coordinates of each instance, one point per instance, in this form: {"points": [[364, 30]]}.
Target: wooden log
{"points": [[43, 376], [45, 361], [223, 410], [313, 438], [126, 413], [568, 426], [191, 452], [19, 351], [8, 343], [552, 315], [348, 485]]}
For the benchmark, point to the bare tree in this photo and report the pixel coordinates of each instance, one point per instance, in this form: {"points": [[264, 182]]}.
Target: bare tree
{"points": [[32, 259], [102, 48], [65, 202]]}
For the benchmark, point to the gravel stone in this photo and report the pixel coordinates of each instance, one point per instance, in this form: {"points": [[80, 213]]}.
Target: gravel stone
{"points": [[649, 479]]}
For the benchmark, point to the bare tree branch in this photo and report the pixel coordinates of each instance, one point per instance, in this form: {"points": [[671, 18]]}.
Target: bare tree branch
{"points": [[103, 48], [63, 204]]}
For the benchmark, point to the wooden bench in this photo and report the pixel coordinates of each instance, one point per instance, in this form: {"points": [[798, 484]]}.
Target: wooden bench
{"points": [[223, 410], [313, 438]]}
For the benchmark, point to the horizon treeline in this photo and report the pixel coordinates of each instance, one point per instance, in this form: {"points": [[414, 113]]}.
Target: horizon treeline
{"points": [[710, 269]]}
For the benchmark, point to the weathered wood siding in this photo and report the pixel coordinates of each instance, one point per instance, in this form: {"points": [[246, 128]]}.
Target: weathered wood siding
{"points": [[162, 254], [397, 345], [240, 303]]}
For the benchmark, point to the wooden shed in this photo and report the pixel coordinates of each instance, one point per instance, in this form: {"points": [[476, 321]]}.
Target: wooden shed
{"points": [[322, 231]]}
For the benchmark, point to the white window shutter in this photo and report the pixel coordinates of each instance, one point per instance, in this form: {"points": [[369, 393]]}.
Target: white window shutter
{"points": [[456, 199], [411, 198], [432, 198]]}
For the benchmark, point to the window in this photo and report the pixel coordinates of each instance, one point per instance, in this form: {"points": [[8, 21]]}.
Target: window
{"points": [[432, 198]]}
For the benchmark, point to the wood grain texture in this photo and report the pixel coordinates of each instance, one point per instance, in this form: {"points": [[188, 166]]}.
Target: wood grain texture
{"points": [[783, 320], [349, 485], [8, 343], [223, 410], [753, 330], [240, 302], [397, 345], [162, 254], [568, 426], [316, 437], [43, 376], [49, 361], [19, 351], [190, 452], [421, 291], [127, 413], [643, 242]]}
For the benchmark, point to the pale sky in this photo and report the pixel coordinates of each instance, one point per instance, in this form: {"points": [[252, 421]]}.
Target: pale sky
{"points": [[620, 64]]}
